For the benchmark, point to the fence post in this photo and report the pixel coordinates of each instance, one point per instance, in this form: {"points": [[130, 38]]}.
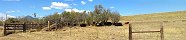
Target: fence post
{"points": [[161, 31], [48, 25], [130, 32], [4, 29], [14, 28], [24, 27]]}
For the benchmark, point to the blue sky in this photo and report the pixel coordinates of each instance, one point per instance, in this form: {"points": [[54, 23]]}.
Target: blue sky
{"points": [[16, 8]]}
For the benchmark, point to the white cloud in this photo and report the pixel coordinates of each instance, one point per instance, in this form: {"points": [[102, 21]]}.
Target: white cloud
{"points": [[112, 7], [90, 0], [59, 5], [11, 0], [12, 11], [9, 16], [46, 8], [76, 10], [3, 16], [83, 2], [68, 10]]}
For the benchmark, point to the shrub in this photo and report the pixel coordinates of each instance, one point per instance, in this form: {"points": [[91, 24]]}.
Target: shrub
{"points": [[11, 20], [101, 14], [115, 17], [90, 18], [71, 18]]}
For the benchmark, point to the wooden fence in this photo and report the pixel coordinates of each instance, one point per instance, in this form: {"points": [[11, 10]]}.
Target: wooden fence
{"points": [[14, 27], [19, 26], [160, 31]]}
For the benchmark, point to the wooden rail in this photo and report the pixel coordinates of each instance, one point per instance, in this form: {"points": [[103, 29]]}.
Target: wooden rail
{"points": [[160, 31], [145, 31], [18, 26], [14, 27]]}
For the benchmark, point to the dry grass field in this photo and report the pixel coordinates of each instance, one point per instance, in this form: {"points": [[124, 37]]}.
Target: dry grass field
{"points": [[174, 29]]}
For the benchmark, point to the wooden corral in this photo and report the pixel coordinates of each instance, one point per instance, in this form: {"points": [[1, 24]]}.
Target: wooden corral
{"points": [[14, 27], [20, 26]]}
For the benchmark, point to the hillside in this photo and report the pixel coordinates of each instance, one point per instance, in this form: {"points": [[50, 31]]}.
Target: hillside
{"points": [[179, 15]]}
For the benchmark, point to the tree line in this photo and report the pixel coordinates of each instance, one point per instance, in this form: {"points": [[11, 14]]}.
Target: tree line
{"points": [[100, 16]]}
